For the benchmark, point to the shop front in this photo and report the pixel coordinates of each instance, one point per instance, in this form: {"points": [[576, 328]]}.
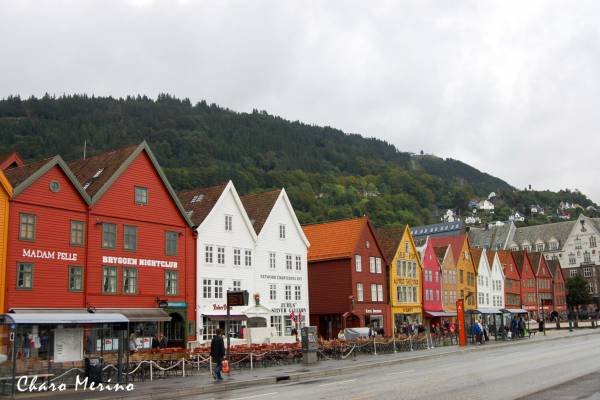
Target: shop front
{"points": [[438, 318], [58, 347], [406, 317]]}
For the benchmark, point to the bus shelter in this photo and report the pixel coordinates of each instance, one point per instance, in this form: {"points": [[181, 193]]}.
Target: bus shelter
{"points": [[489, 317], [60, 349]]}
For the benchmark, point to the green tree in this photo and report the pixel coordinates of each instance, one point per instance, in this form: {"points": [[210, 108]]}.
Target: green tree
{"points": [[577, 293]]}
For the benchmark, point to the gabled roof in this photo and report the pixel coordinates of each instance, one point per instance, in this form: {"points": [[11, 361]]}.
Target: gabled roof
{"points": [[199, 202], [259, 206], [22, 177], [520, 256], [476, 254], [506, 257], [555, 268], [97, 173], [389, 239], [335, 239], [490, 257], [532, 234], [10, 159], [492, 237], [440, 252], [536, 261], [456, 242]]}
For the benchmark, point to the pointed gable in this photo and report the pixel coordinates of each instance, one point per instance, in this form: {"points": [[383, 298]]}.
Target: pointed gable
{"points": [[199, 202], [456, 242], [440, 253], [10, 160], [389, 239], [506, 259], [555, 269], [522, 259], [476, 254], [334, 240], [259, 206]]}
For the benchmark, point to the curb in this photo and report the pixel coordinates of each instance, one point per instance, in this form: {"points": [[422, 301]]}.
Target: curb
{"points": [[303, 376]]}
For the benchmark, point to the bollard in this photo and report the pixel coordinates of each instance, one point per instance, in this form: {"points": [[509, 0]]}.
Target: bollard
{"points": [[198, 361], [210, 365], [374, 346], [410, 341], [394, 340], [183, 365], [251, 363], [151, 362]]}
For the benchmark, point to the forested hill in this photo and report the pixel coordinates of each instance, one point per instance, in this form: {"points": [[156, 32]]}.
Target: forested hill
{"points": [[328, 174]]}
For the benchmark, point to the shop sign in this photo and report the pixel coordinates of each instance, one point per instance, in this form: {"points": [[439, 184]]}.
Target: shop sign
{"points": [[407, 310], [373, 311], [287, 308], [175, 304], [49, 255], [281, 277], [219, 307], [406, 281], [110, 344], [141, 262]]}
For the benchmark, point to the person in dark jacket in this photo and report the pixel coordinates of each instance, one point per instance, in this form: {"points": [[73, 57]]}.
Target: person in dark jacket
{"points": [[217, 352]]}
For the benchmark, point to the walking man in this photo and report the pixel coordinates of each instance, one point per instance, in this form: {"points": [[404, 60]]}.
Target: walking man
{"points": [[217, 352]]}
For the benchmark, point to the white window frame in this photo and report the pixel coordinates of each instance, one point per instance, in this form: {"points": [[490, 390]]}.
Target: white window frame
{"points": [[272, 260], [373, 292], [228, 223], [372, 264], [358, 262], [360, 294]]}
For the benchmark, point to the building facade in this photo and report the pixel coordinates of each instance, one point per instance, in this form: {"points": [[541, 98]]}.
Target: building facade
{"points": [[497, 279], [346, 277], [432, 278], [559, 294], [512, 280], [543, 278], [405, 275], [449, 278], [528, 284]]}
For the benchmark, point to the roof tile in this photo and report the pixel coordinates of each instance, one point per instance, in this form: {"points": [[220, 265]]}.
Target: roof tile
{"points": [[332, 240]]}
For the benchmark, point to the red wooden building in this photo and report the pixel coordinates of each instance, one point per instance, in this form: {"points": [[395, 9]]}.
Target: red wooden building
{"points": [[433, 309], [543, 278], [559, 293], [347, 277], [512, 280], [102, 235], [528, 285]]}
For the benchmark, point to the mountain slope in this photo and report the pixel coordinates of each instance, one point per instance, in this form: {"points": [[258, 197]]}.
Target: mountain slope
{"points": [[328, 174]]}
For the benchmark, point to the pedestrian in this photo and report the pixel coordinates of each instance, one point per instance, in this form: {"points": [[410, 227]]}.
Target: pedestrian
{"points": [[163, 341], [514, 327], [217, 352], [521, 325], [477, 332], [486, 332], [132, 344]]}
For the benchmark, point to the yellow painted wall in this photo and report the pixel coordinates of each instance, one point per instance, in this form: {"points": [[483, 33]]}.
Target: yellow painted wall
{"points": [[5, 195], [406, 252], [465, 264]]}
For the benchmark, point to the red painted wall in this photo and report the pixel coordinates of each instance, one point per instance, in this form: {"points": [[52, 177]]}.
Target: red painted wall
{"points": [[430, 263], [559, 292], [54, 212], [543, 273], [511, 273], [526, 276]]}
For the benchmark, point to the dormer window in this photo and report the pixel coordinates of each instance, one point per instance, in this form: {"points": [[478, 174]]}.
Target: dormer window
{"points": [[539, 247], [87, 185], [141, 195], [197, 198], [98, 173]]}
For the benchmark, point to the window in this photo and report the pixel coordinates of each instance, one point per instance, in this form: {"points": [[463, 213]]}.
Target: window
{"points": [[358, 263], [27, 227], [237, 285], [587, 272], [461, 275], [221, 255], [437, 294], [571, 259], [372, 265], [406, 247], [129, 237], [297, 292], [109, 279], [378, 265], [109, 236], [288, 262], [208, 254], [553, 245], [130, 280], [206, 288], [288, 292], [171, 286], [526, 247], [218, 288], [272, 261], [359, 292], [141, 195], [539, 247], [298, 263], [400, 266], [373, 292], [77, 233], [171, 241], [379, 292], [272, 291], [276, 323], [75, 279], [24, 276], [592, 241], [248, 258], [281, 231], [228, 222], [437, 276], [587, 257], [237, 257]]}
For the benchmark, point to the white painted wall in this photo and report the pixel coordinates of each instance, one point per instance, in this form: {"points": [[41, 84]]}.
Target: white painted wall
{"points": [[497, 275], [484, 282]]}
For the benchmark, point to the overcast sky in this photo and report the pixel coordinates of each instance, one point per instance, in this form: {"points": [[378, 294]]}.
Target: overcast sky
{"points": [[511, 88]]}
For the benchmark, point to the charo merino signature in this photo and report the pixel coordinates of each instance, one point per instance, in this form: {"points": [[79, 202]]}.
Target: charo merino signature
{"points": [[30, 384]]}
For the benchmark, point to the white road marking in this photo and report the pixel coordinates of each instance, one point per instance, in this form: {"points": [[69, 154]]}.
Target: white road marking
{"points": [[255, 396], [401, 372], [337, 383]]}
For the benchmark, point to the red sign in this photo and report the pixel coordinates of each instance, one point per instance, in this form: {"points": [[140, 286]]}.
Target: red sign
{"points": [[460, 313]]}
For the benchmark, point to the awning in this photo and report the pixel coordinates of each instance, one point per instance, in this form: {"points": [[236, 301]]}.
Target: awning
{"points": [[223, 317], [434, 314], [514, 311], [489, 310], [63, 318], [138, 314]]}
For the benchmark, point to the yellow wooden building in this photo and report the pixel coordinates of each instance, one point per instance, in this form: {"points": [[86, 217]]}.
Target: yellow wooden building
{"points": [[466, 285], [405, 274], [5, 195]]}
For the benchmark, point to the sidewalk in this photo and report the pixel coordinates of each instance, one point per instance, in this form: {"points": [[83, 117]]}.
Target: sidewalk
{"points": [[187, 386]]}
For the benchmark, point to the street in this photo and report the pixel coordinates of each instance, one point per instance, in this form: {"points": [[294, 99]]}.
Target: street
{"points": [[502, 373]]}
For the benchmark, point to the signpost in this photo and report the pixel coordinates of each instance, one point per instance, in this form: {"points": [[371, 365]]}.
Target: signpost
{"points": [[460, 313], [234, 298]]}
